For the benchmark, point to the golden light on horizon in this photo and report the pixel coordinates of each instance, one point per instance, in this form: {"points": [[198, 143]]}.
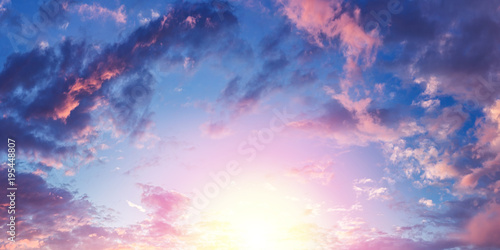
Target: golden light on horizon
{"points": [[255, 220]]}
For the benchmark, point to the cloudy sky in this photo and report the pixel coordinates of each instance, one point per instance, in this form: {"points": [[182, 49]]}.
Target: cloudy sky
{"points": [[282, 124]]}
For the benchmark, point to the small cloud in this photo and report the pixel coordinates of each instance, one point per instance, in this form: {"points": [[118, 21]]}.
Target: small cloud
{"points": [[70, 172], [143, 20], [389, 180], [40, 172], [354, 207], [189, 63], [314, 171], [215, 130], [43, 45], [2, 5], [379, 88], [428, 105], [431, 85], [135, 206], [64, 26], [364, 181], [190, 21], [361, 187], [95, 11], [426, 202], [154, 14]]}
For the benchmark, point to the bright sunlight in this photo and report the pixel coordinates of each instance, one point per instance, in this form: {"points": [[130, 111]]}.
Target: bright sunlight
{"points": [[256, 220]]}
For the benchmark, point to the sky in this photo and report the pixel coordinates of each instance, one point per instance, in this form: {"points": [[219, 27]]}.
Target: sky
{"points": [[281, 124]]}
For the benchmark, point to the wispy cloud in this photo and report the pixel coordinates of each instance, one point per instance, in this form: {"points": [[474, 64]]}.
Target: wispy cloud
{"points": [[96, 11], [2, 5], [135, 206], [426, 202]]}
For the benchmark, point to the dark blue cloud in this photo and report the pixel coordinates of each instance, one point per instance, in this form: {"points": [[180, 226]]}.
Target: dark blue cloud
{"points": [[48, 94]]}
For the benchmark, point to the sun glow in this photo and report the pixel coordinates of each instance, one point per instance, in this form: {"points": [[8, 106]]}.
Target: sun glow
{"points": [[256, 220], [257, 234]]}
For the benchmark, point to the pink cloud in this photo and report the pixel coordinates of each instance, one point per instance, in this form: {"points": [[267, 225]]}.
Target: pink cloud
{"points": [[426, 202], [395, 243], [163, 204], [55, 218], [313, 16], [484, 228], [106, 70], [446, 124], [321, 18], [440, 171], [95, 11], [350, 122], [489, 167], [191, 21], [215, 130], [314, 171], [488, 134], [366, 186], [495, 187], [40, 172]]}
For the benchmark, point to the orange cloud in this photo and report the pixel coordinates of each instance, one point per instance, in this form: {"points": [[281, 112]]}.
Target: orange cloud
{"points": [[104, 72]]}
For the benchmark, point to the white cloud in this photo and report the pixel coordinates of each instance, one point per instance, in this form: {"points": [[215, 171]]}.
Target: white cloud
{"points": [[364, 181], [2, 5], [426, 202], [429, 104], [64, 26], [372, 192], [431, 85], [43, 45], [354, 207], [144, 20], [95, 11], [154, 14], [135, 206]]}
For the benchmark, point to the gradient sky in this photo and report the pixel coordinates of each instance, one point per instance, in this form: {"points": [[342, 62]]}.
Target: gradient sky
{"points": [[282, 124]]}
